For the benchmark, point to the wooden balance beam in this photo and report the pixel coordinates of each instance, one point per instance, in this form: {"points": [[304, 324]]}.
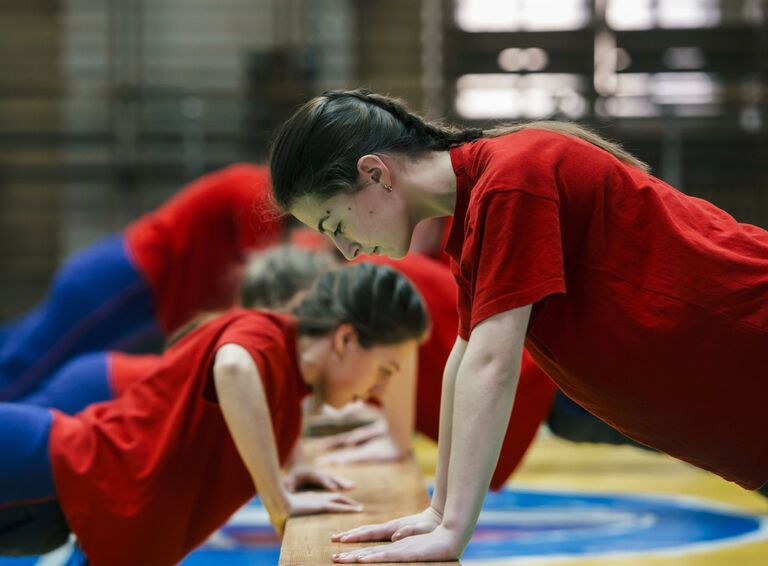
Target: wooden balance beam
{"points": [[387, 491]]}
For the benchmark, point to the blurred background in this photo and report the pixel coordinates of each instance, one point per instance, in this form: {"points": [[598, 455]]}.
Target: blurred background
{"points": [[109, 106]]}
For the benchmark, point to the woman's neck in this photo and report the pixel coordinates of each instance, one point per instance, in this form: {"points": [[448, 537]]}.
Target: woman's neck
{"points": [[434, 186]]}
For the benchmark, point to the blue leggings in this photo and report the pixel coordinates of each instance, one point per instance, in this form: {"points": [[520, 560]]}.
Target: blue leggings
{"points": [[97, 301], [31, 520], [78, 383], [25, 472]]}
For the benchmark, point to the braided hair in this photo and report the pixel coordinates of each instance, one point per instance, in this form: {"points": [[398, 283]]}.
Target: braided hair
{"points": [[316, 150], [432, 135], [380, 303]]}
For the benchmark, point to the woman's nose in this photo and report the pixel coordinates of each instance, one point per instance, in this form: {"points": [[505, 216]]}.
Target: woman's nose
{"points": [[350, 250]]}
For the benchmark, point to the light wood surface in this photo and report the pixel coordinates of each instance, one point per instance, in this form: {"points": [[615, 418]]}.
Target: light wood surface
{"points": [[387, 491]]}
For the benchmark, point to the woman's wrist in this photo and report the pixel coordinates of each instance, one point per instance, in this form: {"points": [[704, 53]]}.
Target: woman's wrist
{"points": [[459, 529], [436, 512], [438, 501], [278, 505], [456, 540]]}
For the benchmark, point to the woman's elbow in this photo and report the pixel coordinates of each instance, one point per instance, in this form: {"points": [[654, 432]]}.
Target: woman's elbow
{"points": [[497, 372]]}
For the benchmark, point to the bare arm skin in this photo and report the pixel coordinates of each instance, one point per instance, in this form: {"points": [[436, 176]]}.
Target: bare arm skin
{"points": [[481, 401], [399, 403], [431, 517], [244, 406]]}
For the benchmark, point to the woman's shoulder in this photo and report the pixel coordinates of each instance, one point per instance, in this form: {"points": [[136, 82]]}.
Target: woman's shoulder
{"points": [[263, 325], [529, 147], [538, 161], [525, 160]]}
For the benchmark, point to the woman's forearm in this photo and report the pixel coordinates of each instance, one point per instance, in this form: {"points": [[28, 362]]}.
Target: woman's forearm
{"points": [[484, 394], [244, 406], [297, 456], [399, 404], [446, 423]]}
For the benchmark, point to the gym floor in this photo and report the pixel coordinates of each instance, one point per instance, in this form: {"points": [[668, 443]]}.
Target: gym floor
{"points": [[574, 504], [690, 539]]}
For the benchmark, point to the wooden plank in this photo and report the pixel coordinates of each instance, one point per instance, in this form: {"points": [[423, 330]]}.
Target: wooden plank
{"points": [[388, 491]]}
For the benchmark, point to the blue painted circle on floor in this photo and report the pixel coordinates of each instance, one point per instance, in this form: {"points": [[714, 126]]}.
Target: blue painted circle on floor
{"points": [[522, 523], [529, 523]]}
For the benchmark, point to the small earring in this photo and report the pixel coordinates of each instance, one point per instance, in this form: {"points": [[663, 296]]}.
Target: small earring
{"points": [[387, 187]]}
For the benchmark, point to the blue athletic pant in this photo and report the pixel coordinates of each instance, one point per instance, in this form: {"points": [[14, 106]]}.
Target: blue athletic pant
{"points": [[97, 301], [78, 383], [25, 471], [31, 521]]}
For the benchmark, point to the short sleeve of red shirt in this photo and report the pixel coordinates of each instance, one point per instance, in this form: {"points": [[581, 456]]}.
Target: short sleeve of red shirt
{"points": [[513, 251], [266, 345]]}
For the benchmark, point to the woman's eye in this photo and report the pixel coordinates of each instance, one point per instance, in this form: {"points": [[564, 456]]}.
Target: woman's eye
{"points": [[337, 231]]}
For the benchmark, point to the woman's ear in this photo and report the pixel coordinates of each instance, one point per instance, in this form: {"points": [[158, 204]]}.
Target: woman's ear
{"points": [[344, 337], [372, 169]]}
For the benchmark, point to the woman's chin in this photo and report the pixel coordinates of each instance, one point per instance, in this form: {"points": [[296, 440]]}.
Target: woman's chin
{"points": [[394, 253], [399, 251]]}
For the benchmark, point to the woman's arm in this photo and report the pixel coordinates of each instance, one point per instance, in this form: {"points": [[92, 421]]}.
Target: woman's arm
{"points": [[431, 517], [244, 406], [482, 399], [485, 393], [399, 404], [445, 431]]}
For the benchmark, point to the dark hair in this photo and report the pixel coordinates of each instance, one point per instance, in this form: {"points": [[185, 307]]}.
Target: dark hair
{"points": [[316, 150], [380, 303], [273, 278]]}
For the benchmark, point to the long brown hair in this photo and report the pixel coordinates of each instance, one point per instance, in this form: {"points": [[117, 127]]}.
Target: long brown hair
{"points": [[315, 152]]}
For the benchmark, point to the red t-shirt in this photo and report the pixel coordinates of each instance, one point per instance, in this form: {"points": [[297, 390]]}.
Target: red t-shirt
{"points": [[125, 369], [535, 390], [147, 477], [191, 249], [650, 306]]}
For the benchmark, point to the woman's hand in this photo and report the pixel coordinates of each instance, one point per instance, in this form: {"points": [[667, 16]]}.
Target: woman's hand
{"points": [[303, 476], [382, 449], [314, 502], [353, 437], [396, 529], [440, 544]]}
